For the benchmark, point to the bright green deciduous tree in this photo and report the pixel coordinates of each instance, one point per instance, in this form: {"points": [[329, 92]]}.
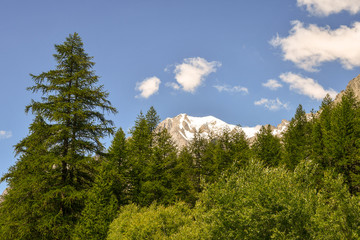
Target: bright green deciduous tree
{"points": [[273, 203], [155, 222]]}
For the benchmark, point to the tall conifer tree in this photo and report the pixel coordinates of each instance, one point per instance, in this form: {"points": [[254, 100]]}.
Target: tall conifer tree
{"points": [[152, 118], [296, 139], [107, 193], [322, 136], [138, 157], [346, 140], [267, 147], [55, 166]]}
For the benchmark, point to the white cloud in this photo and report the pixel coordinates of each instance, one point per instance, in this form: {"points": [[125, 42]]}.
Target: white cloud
{"points": [[5, 134], [308, 47], [327, 7], [272, 84], [148, 87], [173, 85], [234, 89], [306, 86], [192, 72], [271, 104]]}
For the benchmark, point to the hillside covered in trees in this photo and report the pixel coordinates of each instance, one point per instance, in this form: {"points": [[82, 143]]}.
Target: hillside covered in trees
{"points": [[66, 185]]}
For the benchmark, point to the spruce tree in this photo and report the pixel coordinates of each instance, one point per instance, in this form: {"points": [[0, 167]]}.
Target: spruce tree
{"points": [[186, 188], [151, 160], [296, 139], [139, 154], [160, 176], [198, 149], [116, 159], [107, 194], [152, 118], [267, 147], [239, 148], [346, 140], [322, 137], [55, 168], [101, 206]]}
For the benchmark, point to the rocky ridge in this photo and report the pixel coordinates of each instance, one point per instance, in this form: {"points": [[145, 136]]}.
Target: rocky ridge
{"points": [[183, 127], [354, 86]]}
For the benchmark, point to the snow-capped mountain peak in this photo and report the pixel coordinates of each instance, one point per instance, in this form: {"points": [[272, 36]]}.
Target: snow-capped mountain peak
{"points": [[183, 127]]}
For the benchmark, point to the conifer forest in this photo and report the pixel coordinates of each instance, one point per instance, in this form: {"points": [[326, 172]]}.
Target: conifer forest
{"points": [[66, 185]]}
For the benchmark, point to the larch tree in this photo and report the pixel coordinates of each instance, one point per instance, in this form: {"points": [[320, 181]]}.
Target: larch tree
{"points": [[55, 168]]}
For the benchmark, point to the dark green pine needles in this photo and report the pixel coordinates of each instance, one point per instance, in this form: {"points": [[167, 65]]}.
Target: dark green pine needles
{"points": [[48, 184]]}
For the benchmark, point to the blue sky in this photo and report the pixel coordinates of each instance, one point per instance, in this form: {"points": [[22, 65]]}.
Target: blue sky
{"points": [[245, 62]]}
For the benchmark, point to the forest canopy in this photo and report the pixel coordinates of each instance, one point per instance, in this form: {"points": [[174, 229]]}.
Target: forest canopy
{"points": [[67, 185]]}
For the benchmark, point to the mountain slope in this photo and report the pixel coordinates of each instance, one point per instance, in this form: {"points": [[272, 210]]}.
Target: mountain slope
{"points": [[183, 127], [354, 86]]}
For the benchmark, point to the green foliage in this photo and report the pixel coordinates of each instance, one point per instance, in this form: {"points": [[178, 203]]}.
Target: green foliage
{"points": [[154, 222], [139, 153], [152, 119], [331, 139], [346, 140], [235, 147], [59, 190], [116, 167], [117, 150], [214, 156], [257, 203], [49, 182], [100, 207], [266, 203], [296, 139], [254, 203], [107, 193], [267, 147], [322, 135], [151, 163], [337, 213], [186, 187]]}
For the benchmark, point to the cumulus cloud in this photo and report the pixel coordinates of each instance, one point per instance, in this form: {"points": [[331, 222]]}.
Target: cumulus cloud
{"points": [[234, 89], [191, 73], [308, 47], [271, 104], [272, 84], [327, 7], [5, 134], [306, 86], [148, 87]]}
